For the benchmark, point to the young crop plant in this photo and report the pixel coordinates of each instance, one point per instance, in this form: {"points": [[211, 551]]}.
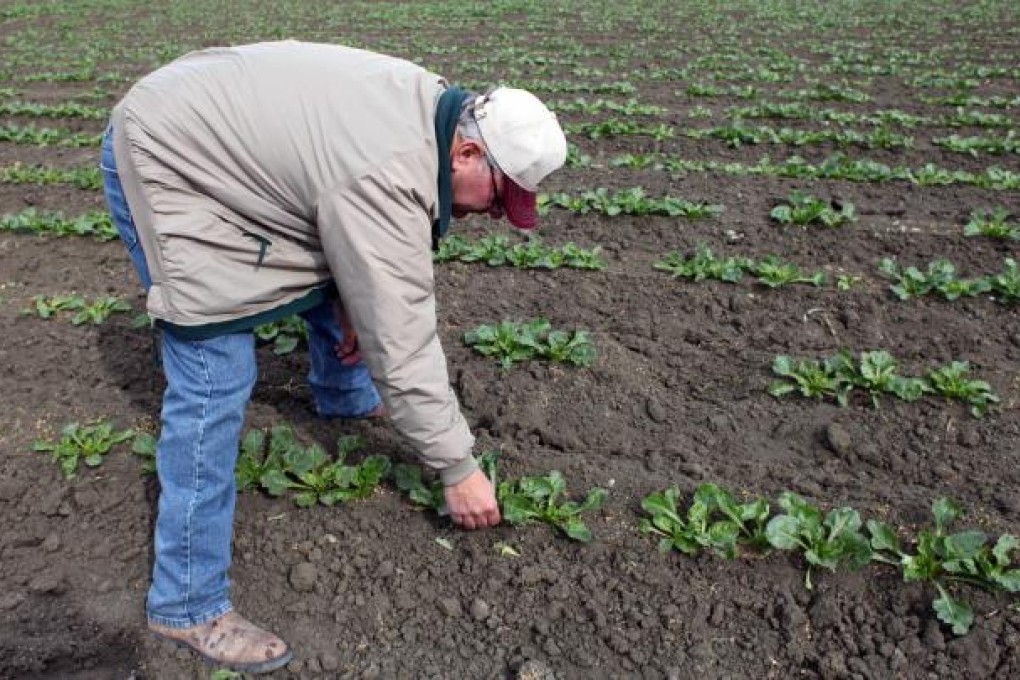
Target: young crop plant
{"points": [[521, 501], [966, 557], [47, 136], [82, 178], [714, 520], [975, 145], [773, 273], [95, 312], [514, 341], [285, 334], [994, 223], [952, 382], [704, 265], [95, 224], [539, 499], [144, 446], [495, 250], [632, 201], [828, 541], [813, 379], [876, 373], [310, 474], [429, 496], [1006, 284], [940, 278], [803, 209], [82, 443]]}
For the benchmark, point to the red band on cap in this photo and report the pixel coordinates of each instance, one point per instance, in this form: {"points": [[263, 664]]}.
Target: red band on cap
{"points": [[519, 205]]}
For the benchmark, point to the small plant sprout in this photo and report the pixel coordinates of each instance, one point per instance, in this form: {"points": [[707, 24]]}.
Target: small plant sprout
{"points": [[940, 278], [952, 382], [46, 307], [99, 310], [144, 446], [830, 542], [877, 375], [773, 273], [1006, 284], [95, 312], [85, 443], [285, 334], [964, 557], [314, 478], [537, 499], [714, 520], [803, 209], [994, 223], [815, 379], [704, 265], [513, 341], [847, 281]]}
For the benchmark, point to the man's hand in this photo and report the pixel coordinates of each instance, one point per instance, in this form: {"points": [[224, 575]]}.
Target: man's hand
{"points": [[472, 502], [346, 350]]}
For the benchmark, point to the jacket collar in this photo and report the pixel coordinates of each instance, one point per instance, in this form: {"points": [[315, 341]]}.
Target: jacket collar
{"points": [[447, 112]]}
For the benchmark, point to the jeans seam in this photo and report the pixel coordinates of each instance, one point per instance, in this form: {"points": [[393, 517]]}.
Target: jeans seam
{"points": [[197, 477]]}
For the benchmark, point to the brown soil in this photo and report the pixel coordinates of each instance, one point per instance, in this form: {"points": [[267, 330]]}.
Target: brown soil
{"points": [[676, 396]]}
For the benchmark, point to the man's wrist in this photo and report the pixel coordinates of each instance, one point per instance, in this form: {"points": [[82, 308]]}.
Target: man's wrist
{"points": [[457, 472]]}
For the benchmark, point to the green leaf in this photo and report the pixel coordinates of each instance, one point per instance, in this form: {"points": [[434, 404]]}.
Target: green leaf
{"points": [[783, 532], [883, 537], [946, 511], [956, 613]]}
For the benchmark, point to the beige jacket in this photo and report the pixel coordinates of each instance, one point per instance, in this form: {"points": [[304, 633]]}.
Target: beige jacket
{"points": [[257, 175]]}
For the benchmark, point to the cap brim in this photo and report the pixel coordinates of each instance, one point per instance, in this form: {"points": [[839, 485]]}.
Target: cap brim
{"points": [[519, 205]]}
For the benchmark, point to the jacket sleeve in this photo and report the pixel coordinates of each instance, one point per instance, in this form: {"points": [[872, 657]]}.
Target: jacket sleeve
{"points": [[376, 234]]}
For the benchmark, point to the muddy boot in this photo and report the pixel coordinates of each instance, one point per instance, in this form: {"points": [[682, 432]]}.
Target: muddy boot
{"points": [[232, 642]]}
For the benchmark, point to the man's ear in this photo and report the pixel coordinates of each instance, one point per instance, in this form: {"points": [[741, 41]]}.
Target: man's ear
{"points": [[464, 151]]}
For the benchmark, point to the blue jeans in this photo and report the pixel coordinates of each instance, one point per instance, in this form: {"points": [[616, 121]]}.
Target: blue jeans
{"points": [[209, 383]]}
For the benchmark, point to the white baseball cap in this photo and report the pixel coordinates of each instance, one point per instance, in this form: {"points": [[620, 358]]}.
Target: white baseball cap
{"points": [[525, 140]]}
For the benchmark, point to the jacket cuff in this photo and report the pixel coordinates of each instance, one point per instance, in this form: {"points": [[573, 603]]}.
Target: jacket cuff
{"points": [[458, 471]]}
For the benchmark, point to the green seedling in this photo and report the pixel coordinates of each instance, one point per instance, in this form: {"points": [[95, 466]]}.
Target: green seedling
{"points": [[952, 382], [1006, 284], [828, 378], [430, 496], [513, 341], [877, 375], [536, 499], [255, 460], [577, 257], [315, 478], [964, 557], [939, 278], [96, 224], [45, 306], [632, 201], [285, 334], [144, 446], [568, 348], [714, 520], [99, 310], [496, 250], [508, 341], [993, 223], [803, 209], [704, 265], [773, 272], [492, 250], [845, 282], [82, 443], [829, 542]]}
